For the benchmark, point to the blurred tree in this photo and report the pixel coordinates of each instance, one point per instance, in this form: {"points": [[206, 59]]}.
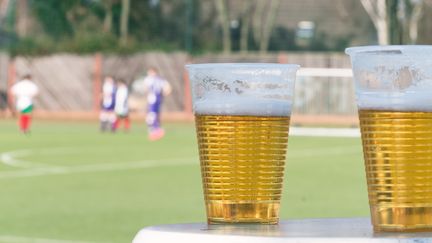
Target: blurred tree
{"points": [[22, 18], [246, 18], [283, 39], [206, 22], [188, 36], [377, 11], [255, 15], [124, 22], [108, 18], [409, 13], [352, 13], [396, 21], [4, 6], [267, 28], [416, 14], [208, 25], [52, 14], [258, 20], [85, 17], [221, 7], [263, 22], [9, 17], [425, 35], [147, 21], [395, 26]]}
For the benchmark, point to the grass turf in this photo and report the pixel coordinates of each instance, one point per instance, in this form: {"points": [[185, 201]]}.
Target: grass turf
{"points": [[121, 194]]}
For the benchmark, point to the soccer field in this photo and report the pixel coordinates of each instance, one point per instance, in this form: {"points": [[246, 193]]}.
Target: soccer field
{"points": [[68, 183]]}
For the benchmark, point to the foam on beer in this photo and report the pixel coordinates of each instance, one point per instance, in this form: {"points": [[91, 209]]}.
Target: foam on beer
{"points": [[395, 78], [398, 88], [250, 89], [409, 100], [243, 106]]}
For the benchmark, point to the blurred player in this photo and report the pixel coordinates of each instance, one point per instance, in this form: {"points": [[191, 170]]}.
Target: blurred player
{"points": [[107, 115], [156, 88], [121, 107], [24, 91]]}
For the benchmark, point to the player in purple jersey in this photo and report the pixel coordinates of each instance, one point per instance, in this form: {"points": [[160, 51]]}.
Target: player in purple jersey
{"points": [[156, 88]]}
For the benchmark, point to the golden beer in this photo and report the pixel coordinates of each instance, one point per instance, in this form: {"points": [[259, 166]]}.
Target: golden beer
{"points": [[397, 147], [242, 166]]}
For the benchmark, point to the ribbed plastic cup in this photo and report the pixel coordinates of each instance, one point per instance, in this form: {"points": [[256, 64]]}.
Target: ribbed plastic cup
{"points": [[394, 97], [242, 114]]}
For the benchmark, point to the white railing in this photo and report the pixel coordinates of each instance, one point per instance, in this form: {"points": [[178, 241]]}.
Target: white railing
{"points": [[325, 91]]}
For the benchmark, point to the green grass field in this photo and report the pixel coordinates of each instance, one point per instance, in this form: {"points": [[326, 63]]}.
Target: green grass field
{"points": [[68, 182]]}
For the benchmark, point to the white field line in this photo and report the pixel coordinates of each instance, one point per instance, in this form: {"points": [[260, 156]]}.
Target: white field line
{"points": [[21, 239], [42, 171], [12, 158], [324, 132], [106, 167]]}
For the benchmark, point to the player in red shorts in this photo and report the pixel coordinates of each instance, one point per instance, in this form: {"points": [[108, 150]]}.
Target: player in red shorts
{"points": [[24, 91]]}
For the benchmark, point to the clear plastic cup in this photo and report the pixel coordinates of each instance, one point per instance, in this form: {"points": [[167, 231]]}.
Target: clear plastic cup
{"points": [[242, 114], [394, 98]]}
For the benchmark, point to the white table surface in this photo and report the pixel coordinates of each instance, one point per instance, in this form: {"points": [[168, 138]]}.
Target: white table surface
{"points": [[298, 231]]}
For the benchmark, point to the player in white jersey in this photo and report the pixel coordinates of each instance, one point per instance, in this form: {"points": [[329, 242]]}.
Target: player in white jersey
{"points": [[121, 107], [107, 115], [24, 91]]}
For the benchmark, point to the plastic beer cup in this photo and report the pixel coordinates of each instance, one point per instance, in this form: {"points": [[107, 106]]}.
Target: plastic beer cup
{"points": [[394, 98], [242, 114]]}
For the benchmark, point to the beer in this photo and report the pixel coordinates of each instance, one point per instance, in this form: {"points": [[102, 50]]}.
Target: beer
{"points": [[242, 165], [397, 147]]}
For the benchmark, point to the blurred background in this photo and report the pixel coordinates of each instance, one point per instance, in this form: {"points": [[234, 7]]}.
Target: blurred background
{"points": [[67, 182]]}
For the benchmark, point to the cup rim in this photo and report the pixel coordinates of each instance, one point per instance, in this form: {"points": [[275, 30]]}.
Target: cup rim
{"points": [[242, 65], [362, 49]]}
